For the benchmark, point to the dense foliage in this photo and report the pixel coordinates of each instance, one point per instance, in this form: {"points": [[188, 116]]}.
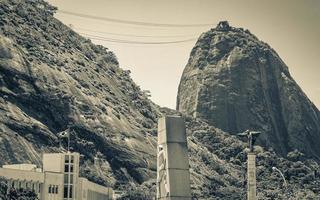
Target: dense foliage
{"points": [[9, 193]]}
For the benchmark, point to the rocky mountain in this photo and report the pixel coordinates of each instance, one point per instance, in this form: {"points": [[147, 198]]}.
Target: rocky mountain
{"points": [[53, 80], [236, 82]]}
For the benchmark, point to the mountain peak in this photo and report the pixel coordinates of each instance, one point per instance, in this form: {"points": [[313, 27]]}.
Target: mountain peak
{"points": [[237, 82], [223, 26]]}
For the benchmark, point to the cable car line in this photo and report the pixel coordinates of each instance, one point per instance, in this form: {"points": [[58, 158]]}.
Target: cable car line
{"points": [[134, 42], [132, 35], [140, 23]]}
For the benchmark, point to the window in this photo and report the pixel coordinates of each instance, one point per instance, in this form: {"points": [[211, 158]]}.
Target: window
{"points": [[70, 193], [71, 178], [66, 179], [66, 168], [65, 191], [53, 189], [68, 176], [66, 159]]}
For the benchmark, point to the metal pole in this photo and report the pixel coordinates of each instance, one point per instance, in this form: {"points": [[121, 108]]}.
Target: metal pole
{"points": [[68, 142]]}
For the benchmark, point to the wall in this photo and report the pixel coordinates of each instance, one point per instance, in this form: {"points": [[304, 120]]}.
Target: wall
{"points": [[92, 191]]}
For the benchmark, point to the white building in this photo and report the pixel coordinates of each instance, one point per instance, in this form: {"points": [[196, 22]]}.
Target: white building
{"points": [[58, 180]]}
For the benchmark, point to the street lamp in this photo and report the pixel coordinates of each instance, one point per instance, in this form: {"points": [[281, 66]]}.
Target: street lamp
{"points": [[284, 179]]}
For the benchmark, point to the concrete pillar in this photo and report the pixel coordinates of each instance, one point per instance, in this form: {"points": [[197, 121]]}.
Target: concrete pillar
{"points": [[252, 184], [173, 176]]}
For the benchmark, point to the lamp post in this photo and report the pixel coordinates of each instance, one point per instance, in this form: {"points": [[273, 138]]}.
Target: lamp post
{"points": [[284, 179]]}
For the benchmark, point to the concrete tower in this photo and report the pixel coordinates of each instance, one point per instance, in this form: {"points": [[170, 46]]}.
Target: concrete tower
{"points": [[173, 176], [252, 184]]}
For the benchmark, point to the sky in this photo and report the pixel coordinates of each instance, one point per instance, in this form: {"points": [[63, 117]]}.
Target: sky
{"points": [[291, 27]]}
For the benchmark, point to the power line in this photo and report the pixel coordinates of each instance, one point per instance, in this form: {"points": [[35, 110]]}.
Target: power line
{"points": [[132, 22], [132, 35], [94, 37], [138, 42]]}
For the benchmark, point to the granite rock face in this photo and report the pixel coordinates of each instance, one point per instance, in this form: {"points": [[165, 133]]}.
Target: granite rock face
{"points": [[237, 82], [53, 80]]}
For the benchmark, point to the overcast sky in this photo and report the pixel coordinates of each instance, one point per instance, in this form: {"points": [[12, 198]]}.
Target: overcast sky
{"points": [[291, 27]]}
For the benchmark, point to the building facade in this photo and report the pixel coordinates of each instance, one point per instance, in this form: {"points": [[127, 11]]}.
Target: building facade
{"points": [[58, 180]]}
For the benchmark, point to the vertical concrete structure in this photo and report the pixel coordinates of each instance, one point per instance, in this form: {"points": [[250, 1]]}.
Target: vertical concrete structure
{"points": [[252, 184], [173, 176]]}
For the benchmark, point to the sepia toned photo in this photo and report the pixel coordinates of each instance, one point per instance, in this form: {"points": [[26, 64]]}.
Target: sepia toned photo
{"points": [[159, 100]]}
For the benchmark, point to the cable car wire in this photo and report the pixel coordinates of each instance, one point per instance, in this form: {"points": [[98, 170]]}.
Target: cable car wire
{"points": [[94, 37], [132, 22], [132, 35]]}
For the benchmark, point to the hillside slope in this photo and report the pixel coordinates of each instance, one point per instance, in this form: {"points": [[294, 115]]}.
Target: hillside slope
{"points": [[53, 80]]}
